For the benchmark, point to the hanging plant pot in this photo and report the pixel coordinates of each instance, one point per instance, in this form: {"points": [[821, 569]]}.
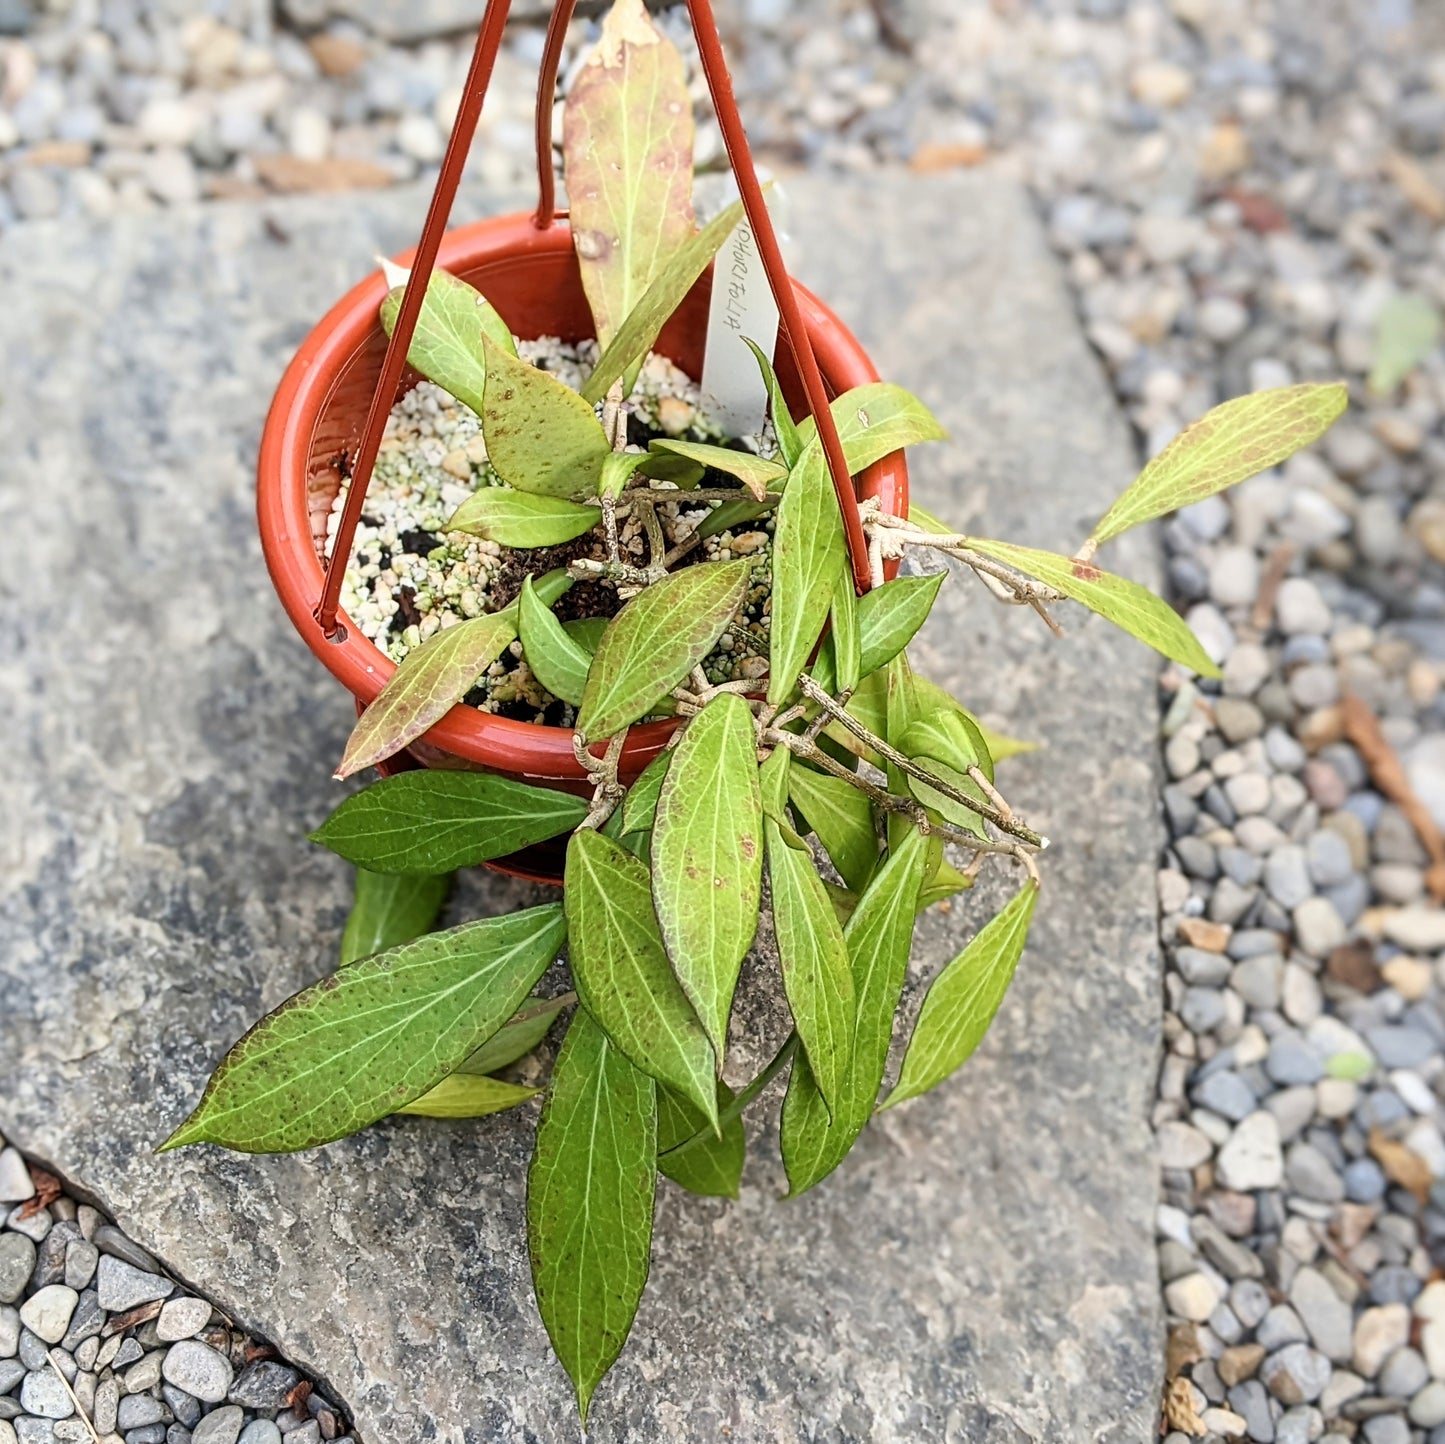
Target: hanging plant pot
{"points": [[319, 412]]}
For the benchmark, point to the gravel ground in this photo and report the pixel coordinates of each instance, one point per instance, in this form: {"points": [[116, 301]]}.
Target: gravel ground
{"points": [[1241, 191], [96, 1342]]}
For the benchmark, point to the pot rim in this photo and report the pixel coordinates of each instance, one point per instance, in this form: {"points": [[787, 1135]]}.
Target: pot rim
{"points": [[284, 463]]}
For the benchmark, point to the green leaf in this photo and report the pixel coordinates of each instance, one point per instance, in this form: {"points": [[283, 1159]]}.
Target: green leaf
{"points": [[433, 678], [656, 640], [879, 935], [1232, 442], [622, 973], [844, 901], [369, 1039], [447, 345], [847, 646], [810, 558], [756, 473], [465, 1095], [517, 1036], [587, 632], [943, 882], [790, 444], [889, 616], [590, 1193], [627, 152], [557, 662], [951, 811], [541, 436], [668, 289], [950, 734], [640, 807], [436, 822], [517, 519], [962, 1002], [816, 975], [390, 910], [1129, 606], [843, 819], [713, 1167], [617, 470], [873, 422], [1406, 331], [707, 858], [773, 778]]}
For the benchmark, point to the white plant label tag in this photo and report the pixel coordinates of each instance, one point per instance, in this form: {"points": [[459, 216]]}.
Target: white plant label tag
{"points": [[742, 305]]}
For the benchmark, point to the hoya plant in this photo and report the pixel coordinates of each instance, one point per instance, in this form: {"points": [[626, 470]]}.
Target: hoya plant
{"points": [[823, 782]]}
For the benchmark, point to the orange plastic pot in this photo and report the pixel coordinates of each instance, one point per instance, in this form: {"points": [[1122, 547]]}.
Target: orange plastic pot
{"points": [[530, 275]]}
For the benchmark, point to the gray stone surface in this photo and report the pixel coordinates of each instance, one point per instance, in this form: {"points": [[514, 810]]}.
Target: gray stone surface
{"points": [[982, 1268]]}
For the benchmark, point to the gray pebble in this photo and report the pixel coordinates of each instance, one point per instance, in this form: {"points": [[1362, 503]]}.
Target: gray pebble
{"points": [[309, 1433], [148, 1434], [1286, 876], [110, 1240], [1394, 1284], [12, 1371], [123, 1286], [178, 1434], [1325, 1314], [44, 1393], [81, 1259], [1227, 1094], [1202, 969], [33, 1350], [182, 1405], [1387, 1429], [17, 1260], [1251, 1403], [1281, 1326], [198, 1369], [1292, 1062], [1330, 863], [86, 1322], [30, 1430], [264, 1385], [221, 1426], [1307, 1171], [260, 1431], [9, 1332], [47, 1312], [1404, 1375], [182, 1318], [15, 1182], [1202, 1009], [1364, 1181], [1297, 1374], [138, 1410], [1400, 1047]]}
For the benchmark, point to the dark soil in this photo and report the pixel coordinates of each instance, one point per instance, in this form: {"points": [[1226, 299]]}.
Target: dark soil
{"points": [[581, 599]]}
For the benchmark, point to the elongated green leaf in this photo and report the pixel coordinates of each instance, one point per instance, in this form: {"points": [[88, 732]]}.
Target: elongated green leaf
{"points": [[847, 645], [368, 1040], [951, 811], [390, 910], [558, 663], [590, 1193], [951, 735], [889, 617], [873, 422], [617, 470], [466, 1095], [433, 678], [790, 444], [707, 858], [943, 882], [516, 519], [541, 436], [878, 934], [517, 1036], [810, 558], [668, 289], [640, 808], [713, 1167], [933, 699], [627, 152], [1129, 606], [755, 472], [963, 1000], [1406, 331], [843, 819], [447, 345], [622, 974], [844, 902], [436, 822], [1232, 442], [773, 779], [814, 958], [656, 640]]}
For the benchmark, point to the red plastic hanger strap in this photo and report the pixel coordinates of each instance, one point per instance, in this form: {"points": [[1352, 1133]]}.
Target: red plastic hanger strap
{"points": [[489, 40], [714, 65]]}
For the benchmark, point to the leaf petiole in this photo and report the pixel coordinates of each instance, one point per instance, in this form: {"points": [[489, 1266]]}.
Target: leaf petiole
{"points": [[735, 1108]]}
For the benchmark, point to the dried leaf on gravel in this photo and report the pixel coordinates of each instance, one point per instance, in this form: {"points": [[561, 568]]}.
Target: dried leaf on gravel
{"points": [[47, 1190], [1353, 964], [1415, 185], [1363, 729], [1402, 1165], [291, 173], [1182, 1350], [1179, 1409]]}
